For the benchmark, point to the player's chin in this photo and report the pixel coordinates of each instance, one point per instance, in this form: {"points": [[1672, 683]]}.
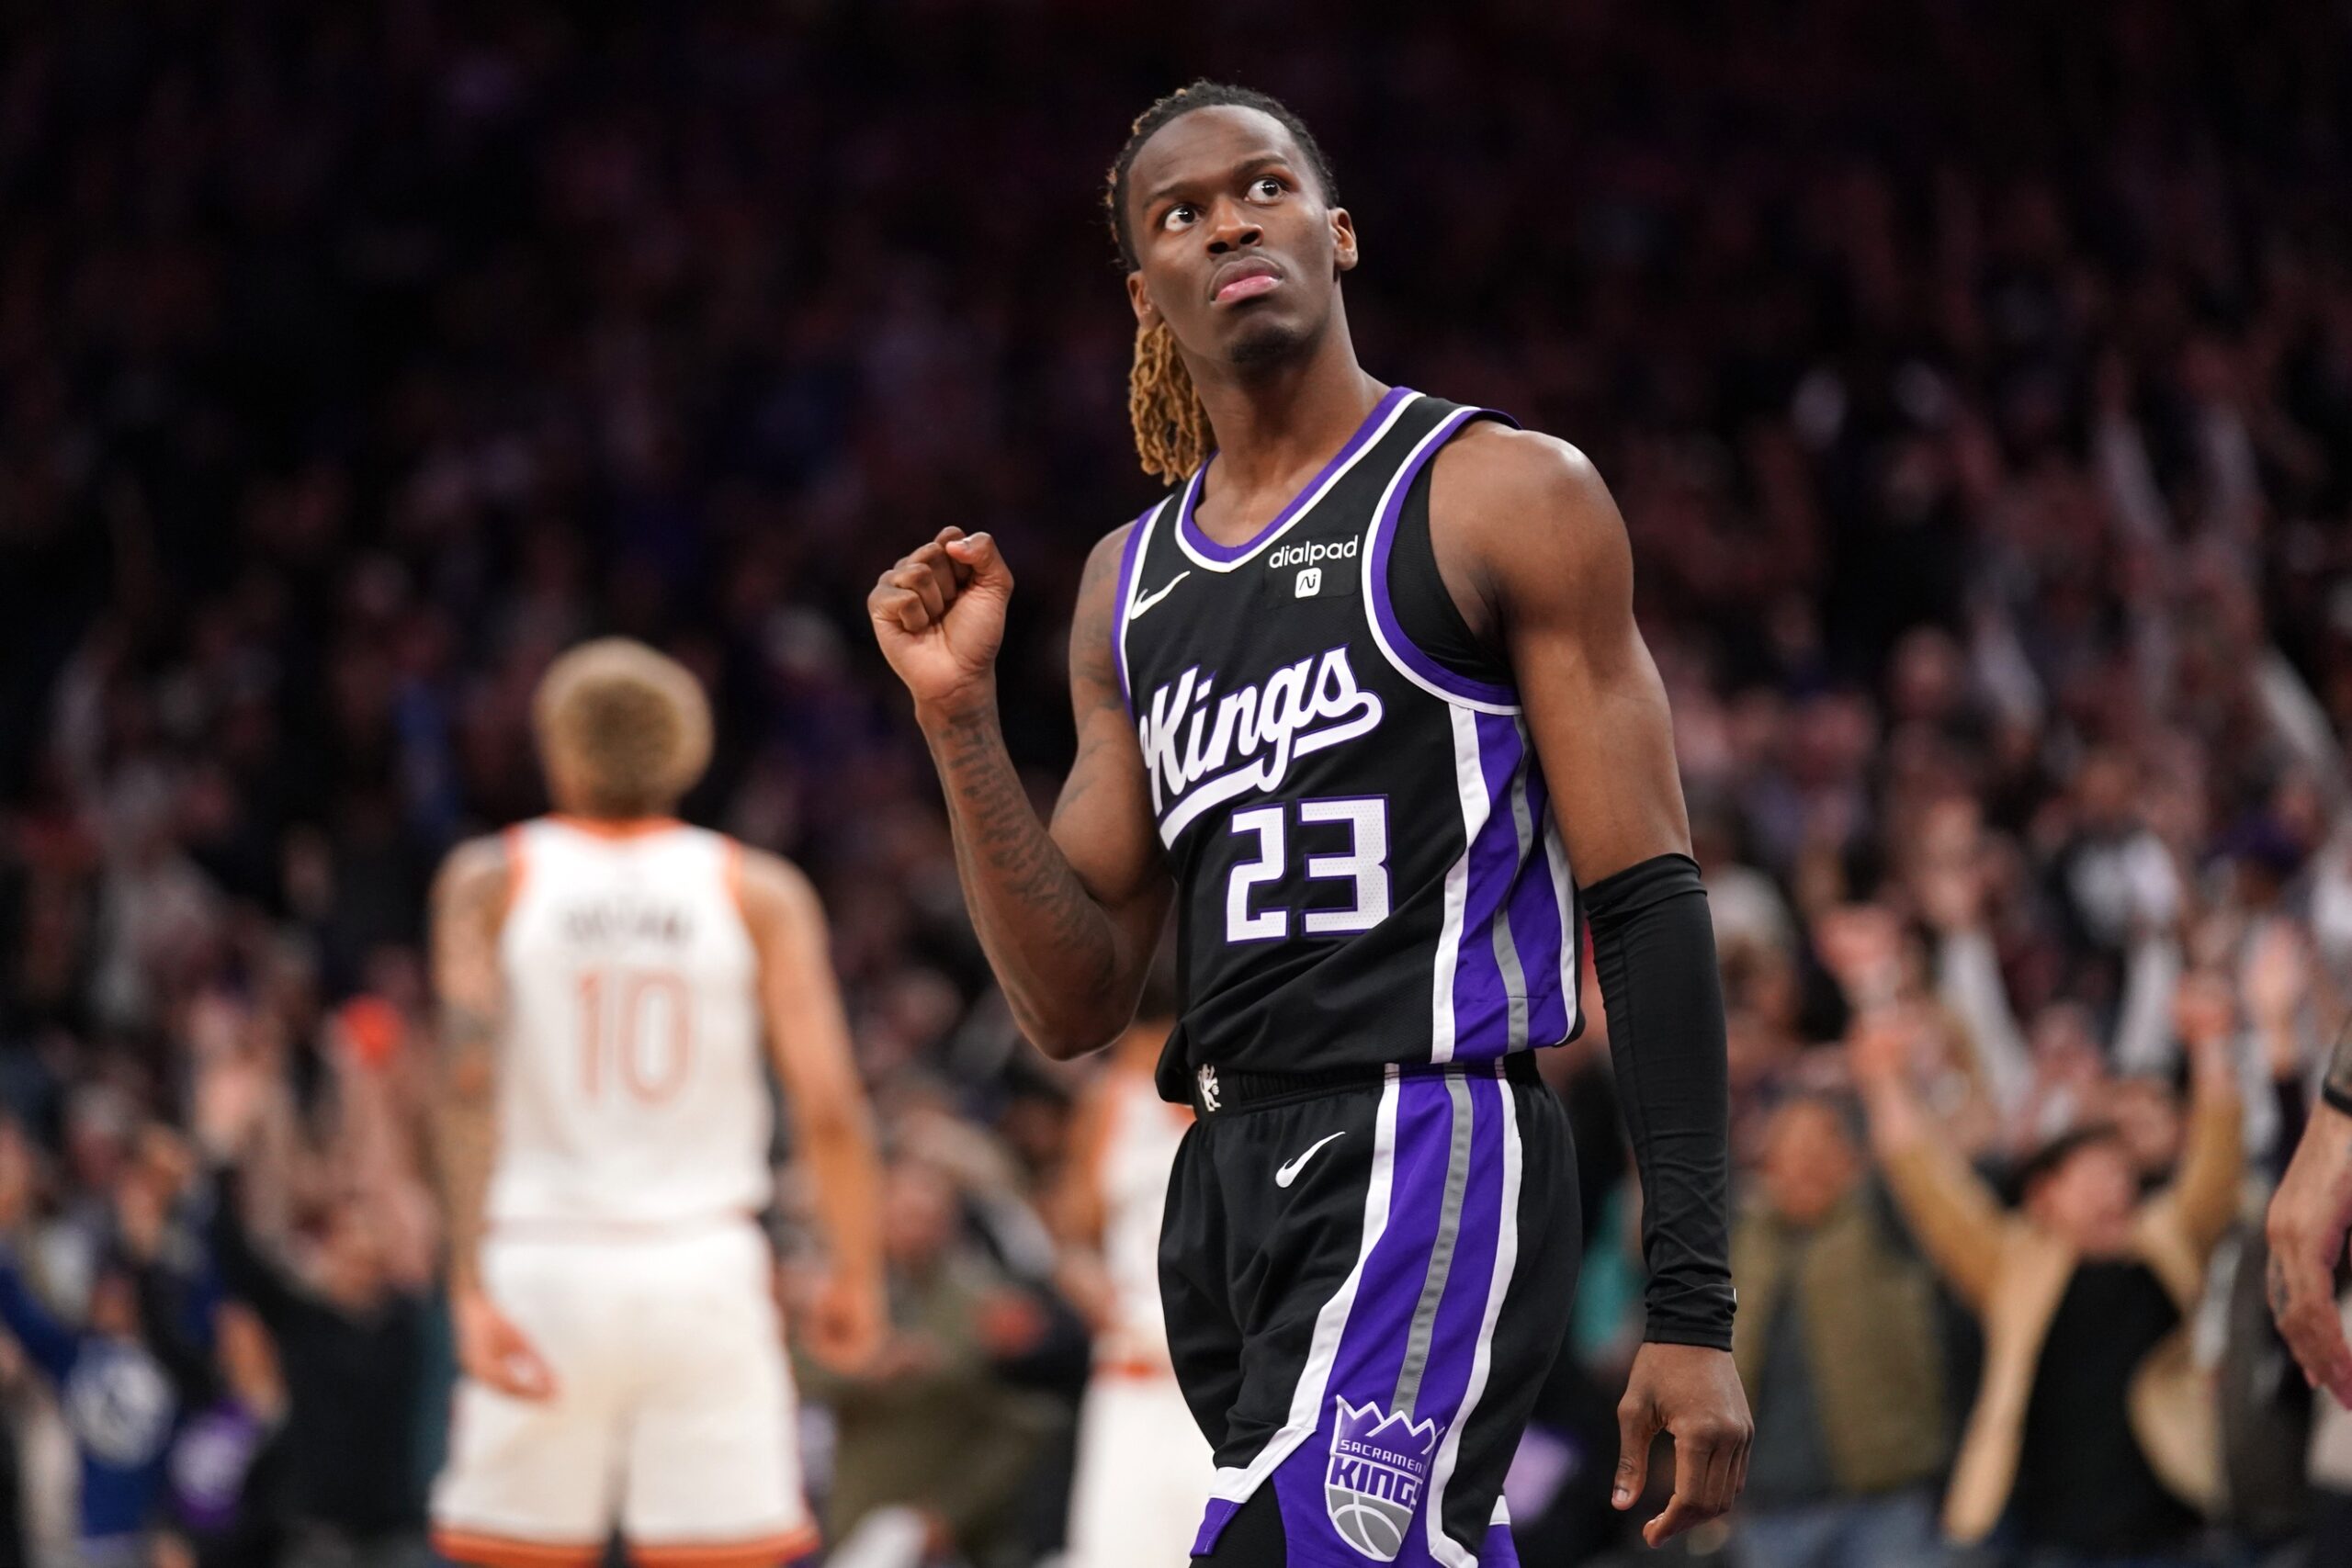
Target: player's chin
{"points": [[1263, 336]]}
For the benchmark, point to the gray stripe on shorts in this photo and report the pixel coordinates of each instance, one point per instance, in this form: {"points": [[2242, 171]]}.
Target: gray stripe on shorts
{"points": [[1449, 1230], [1514, 975]]}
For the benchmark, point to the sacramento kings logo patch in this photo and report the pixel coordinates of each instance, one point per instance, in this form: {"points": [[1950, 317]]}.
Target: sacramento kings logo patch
{"points": [[1380, 1469]]}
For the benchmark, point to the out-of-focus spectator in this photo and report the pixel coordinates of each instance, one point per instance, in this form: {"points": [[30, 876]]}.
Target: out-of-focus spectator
{"points": [[351, 1337], [2091, 1420], [1839, 1344], [933, 1433], [115, 1398]]}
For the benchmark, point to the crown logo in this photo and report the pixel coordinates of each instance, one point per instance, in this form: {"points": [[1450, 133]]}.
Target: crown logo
{"points": [[1378, 1476], [1400, 1441]]}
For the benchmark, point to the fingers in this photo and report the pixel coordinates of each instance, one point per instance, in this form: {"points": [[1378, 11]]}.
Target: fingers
{"points": [[513, 1366], [1636, 1429], [918, 589], [979, 552], [1708, 1460]]}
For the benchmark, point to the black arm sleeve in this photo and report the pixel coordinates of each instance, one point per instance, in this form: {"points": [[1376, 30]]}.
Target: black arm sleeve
{"points": [[1654, 951]]}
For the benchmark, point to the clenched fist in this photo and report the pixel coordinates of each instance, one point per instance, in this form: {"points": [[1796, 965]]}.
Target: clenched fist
{"points": [[939, 615]]}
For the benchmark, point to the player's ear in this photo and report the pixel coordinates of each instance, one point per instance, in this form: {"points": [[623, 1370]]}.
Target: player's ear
{"points": [[1343, 239], [1139, 300]]}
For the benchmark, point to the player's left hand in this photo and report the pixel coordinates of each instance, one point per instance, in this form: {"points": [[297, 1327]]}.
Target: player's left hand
{"points": [[1692, 1393], [848, 1318]]}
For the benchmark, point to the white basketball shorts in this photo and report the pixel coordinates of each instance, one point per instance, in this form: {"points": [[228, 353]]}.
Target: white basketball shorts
{"points": [[672, 1414]]}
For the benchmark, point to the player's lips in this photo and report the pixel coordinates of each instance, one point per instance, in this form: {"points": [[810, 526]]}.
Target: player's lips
{"points": [[1244, 280]]}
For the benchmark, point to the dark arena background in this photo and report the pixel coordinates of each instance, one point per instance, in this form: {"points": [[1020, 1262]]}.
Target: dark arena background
{"points": [[1975, 379]]}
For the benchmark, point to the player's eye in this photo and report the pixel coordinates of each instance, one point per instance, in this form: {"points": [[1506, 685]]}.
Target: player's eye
{"points": [[1182, 213], [1265, 187]]}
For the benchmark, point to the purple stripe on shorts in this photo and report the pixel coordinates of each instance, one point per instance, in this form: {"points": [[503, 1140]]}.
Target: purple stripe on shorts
{"points": [[1481, 1010], [1227, 554], [1392, 630], [1213, 1519], [1372, 1344], [1130, 557]]}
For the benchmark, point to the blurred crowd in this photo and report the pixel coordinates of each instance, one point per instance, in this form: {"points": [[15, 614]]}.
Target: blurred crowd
{"points": [[1975, 377]]}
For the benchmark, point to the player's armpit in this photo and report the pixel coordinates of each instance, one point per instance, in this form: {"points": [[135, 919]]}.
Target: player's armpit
{"points": [[809, 1039], [470, 899]]}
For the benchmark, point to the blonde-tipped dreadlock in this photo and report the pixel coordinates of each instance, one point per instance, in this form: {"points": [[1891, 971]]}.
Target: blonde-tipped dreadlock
{"points": [[1171, 426]]}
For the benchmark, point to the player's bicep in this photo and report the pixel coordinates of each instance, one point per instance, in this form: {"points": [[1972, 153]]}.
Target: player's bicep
{"points": [[1103, 823], [470, 898], [1594, 702]]}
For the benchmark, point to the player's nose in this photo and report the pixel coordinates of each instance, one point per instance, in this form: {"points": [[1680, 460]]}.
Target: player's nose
{"points": [[1232, 227]]}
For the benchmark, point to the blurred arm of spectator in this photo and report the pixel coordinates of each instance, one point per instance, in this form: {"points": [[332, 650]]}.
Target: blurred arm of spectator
{"points": [[2142, 1030], [2203, 1196], [2275, 981], [48, 1343], [1956, 1217], [227, 1105], [140, 1212], [381, 1156], [1074, 1211], [1948, 884]]}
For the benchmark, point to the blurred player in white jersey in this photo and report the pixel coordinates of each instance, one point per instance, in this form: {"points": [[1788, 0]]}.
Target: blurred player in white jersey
{"points": [[606, 976], [1143, 1468]]}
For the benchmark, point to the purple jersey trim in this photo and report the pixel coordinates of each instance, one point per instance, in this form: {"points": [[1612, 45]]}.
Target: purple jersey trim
{"points": [[1384, 534], [1130, 557], [1225, 554]]}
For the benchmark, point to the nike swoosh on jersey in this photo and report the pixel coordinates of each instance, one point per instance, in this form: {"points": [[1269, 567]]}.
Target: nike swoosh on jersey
{"points": [[1145, 601], [1290, 1168]]}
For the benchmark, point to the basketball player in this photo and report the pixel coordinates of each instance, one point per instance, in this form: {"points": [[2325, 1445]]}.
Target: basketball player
{"points": [[1355, 695], [1143, 1471], [606, 975]]}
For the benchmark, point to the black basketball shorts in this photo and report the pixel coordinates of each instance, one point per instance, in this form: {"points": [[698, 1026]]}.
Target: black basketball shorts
{"points": [[1365, 1287]]}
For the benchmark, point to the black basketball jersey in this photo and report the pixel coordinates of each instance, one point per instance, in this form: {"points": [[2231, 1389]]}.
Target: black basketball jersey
{"points": [[1366, 866]]}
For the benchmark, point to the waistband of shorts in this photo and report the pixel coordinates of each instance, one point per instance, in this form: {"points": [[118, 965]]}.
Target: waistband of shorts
{"points": [[1221, 1092]]}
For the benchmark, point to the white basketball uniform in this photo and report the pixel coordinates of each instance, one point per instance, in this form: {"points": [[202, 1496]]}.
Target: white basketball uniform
{"points": [[1143, 1467], [633, 1135]]}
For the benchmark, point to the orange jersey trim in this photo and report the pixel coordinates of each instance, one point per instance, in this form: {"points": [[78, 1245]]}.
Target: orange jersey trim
{"points": [[1136, 1369], [765, 1552], [616, 826], [505, 1551]]}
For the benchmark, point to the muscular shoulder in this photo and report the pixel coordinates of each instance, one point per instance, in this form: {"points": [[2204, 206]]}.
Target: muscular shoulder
{"points": [[776, 893], [475, 876], [1527, 516], [1095, 619]]}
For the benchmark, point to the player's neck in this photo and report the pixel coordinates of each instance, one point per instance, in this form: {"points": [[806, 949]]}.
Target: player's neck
{"points": [[1273, 424]]}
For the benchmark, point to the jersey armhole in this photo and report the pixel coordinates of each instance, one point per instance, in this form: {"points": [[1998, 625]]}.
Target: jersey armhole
{"points": [[519, 866], [1426, 611], [1414, 618]]}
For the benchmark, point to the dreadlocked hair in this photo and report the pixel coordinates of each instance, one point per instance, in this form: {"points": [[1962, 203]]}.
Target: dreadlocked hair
{"points": [[1170, 424]]}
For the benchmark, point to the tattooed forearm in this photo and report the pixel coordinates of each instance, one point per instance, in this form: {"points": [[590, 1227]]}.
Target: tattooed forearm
{"points": [[465, 1131], [1044, 933], [467, 902]]}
